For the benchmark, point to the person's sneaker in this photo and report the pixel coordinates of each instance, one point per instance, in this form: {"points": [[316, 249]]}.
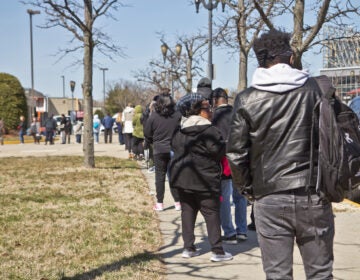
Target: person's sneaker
{"points": [[159, 207], [177, 206], [251, 226], [220, 258], [230, 240], [151, 169], [190, 254], [241, 236]]}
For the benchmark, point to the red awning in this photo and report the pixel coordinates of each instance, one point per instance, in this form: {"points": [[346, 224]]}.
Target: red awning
{"points": [[79, 114], [354, 91]]}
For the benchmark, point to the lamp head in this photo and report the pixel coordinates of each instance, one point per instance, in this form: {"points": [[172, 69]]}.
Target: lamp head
{"points": [[164, 49], [197, 5], [178, 48], [72, 85], [32, 12]]}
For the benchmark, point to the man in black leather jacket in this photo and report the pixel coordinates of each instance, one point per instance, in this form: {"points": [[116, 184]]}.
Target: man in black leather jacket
{"points": [[269, 150]]}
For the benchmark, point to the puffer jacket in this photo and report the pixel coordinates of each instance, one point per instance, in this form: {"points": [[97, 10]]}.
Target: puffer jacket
{"points": [[137, 124], [198, 148], [269, 141]]}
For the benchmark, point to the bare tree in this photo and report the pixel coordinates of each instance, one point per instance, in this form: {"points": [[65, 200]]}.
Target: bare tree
{"points": [[305, 33], [78, 17], [237, 31], [163, 71], [122, 92]]}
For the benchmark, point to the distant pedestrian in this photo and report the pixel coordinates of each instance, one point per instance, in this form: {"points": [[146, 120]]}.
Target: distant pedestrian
{"points": [[22, 129], [138, 134], [128, 128], [35, 130], [78, 131], [2, 131], [108, 123], [96, 128], [148, 147], [62, 129], [68, 130], [50, 128], [119, 125], [159, 130], [195, 173]]}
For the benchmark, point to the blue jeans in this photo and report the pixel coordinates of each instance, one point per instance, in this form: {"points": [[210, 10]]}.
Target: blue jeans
{"points": [[240, 212], [287, 216], [21, 136], [225, 208], [96, 134]]}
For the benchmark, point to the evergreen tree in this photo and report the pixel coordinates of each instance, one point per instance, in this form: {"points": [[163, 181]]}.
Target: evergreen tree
{"points": [[12, 100]]}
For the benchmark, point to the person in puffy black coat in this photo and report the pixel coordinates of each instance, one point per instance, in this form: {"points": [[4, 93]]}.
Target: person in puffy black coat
{"points": [[195, 171]]}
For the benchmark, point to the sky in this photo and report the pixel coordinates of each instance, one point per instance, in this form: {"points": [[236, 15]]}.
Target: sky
{"points": [[135, 30]]}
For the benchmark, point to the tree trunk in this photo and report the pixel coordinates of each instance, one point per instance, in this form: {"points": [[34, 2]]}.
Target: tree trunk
{"points": [[188, 75], [88, 144], [297, 40], [243, 65], [242, 39]]}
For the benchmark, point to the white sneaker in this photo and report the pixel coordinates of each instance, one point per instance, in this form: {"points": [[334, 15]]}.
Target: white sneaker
{"points": [[151, 169], [177, 206], [187, 254], [220, 258], [159, 207]]}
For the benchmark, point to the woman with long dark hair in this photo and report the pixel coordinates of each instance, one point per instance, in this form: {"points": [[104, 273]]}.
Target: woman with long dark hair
{"points": [[158, 130]]}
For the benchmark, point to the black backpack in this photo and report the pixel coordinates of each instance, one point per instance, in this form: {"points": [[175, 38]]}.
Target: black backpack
{"points": [[338, 144]]}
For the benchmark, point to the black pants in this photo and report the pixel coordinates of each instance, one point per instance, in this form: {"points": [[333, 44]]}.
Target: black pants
{"points": [[161, 162], [49, 136], [209, 206], [138, 146], [128, 141], [108, 132]]}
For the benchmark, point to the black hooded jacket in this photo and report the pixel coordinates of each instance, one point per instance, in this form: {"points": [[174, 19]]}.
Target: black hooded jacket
{"points": [[198, 148]]}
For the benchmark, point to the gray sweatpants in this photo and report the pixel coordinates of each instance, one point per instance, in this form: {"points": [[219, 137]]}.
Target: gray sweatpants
{"points": [[284, 217]]}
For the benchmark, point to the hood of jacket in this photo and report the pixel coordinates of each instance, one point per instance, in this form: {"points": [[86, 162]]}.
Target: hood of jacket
{"points": [[194, 124], [128, 109], [96, 117], [279, 78], [138, 109]]}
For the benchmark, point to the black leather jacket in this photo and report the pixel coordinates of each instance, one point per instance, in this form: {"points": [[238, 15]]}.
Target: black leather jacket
{"points": [[269, 141]]}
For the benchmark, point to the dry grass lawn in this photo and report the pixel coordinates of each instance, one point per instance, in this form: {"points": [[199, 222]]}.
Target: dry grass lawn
{"points": [[59, 220]]}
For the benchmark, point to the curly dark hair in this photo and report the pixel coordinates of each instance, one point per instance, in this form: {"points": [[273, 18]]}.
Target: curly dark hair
{"points": [[165, 105], [195, 108], [273, 47]]}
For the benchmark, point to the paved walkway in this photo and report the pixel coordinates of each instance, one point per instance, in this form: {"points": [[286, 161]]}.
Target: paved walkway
{"points": [[247, 259]]}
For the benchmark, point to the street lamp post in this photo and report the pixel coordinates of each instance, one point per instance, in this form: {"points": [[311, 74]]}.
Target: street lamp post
{"points": [[72, 88], [31, 13], [63, 85], [104, 69], [164, 48], [210, 5]]}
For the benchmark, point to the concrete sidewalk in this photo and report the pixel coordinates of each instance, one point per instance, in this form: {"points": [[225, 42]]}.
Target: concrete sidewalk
{"points": [[247, 258], [246, 264]]}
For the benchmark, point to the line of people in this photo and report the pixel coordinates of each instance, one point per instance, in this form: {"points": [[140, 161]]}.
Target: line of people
{"points": [[261, 146]]}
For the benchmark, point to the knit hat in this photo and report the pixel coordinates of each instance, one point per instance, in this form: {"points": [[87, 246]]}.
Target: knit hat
{"points": [[185, 103], [204, 87], [219, 92]]}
